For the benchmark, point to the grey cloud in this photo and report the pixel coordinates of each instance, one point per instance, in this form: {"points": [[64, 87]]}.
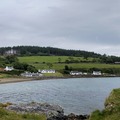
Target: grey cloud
{"points": [[71, 24]]}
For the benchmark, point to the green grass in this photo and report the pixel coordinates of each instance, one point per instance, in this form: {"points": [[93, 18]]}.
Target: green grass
{"points": [[41, 59], [4, 75], [59, 66], [114, 99], [40, 62], [112, 108], [7, 115], [49, 59], [57, 74]]}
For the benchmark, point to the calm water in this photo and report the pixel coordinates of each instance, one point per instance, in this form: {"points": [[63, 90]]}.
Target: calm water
{"points": [[79, 95]]}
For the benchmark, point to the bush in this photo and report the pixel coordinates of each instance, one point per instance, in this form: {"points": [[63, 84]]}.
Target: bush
{"points": [[24, 67]]}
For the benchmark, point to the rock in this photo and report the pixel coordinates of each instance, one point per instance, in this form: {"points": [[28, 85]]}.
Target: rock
{"points": [[52, 112], [38, 108], [70, 117]]}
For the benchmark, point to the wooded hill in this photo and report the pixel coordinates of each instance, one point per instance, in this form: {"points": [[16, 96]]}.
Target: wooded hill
{"points": [[47, 51], [50, 51]]}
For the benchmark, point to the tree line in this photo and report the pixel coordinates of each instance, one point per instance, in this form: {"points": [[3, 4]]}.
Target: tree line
{"points": [[50, 51], [35, 50]]}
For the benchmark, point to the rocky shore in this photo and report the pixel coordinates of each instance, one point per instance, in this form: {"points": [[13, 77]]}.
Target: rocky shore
{"points": [[70, 117], [52, 112]]}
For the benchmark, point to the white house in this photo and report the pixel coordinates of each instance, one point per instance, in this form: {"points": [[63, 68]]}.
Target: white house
{"points": [[29, 74], [75, 73], [96, 73], [47, 71], [8, 68], [11, 52], [85, 73]]}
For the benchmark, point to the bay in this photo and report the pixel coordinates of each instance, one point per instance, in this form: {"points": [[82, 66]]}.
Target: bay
{"points": [[75, 95]]}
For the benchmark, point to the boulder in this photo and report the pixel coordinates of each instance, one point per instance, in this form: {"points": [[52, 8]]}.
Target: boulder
{"points": [[38, 108], [52, 112]]}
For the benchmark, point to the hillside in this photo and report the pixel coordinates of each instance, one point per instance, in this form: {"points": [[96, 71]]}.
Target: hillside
{"points": [[78, 63], [50, 51], [33, 58], [46, 51]]}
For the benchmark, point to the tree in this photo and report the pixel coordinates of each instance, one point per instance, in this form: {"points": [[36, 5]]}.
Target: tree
{"points": [[71, 59], [59, 60], [66, 70], [11, 59], [31, 68], [20, 66], [35, 50], [50, 65], [24, 67], [66, 67], [86, 57]]}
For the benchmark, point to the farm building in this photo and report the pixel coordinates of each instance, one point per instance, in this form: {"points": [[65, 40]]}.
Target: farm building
{"points": [[75, 73], [96, 73], [47, 71]]}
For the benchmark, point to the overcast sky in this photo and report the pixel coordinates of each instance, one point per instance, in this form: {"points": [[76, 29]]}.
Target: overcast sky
{"points": [[91, 25]]}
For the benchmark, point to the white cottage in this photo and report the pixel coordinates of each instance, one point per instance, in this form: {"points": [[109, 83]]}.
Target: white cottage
{"points": [[97, 73], [29, 74], [8, 68], [47, 71], [75, 73]]}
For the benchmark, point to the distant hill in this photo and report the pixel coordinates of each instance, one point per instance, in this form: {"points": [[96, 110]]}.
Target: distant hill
{"points": [[50, 51], [46, 51]]}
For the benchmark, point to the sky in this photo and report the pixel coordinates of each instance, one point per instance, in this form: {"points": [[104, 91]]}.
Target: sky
{"points": [[90, 25]]}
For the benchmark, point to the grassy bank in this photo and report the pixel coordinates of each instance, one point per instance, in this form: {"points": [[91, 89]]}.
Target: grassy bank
{"points": [[111, 111], [7, 115], [112, 108]]}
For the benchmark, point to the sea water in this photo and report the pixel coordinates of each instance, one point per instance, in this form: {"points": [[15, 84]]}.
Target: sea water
{"points": [[78, 95]]}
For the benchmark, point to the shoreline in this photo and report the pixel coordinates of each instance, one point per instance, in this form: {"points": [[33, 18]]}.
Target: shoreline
{"points": [[14, 80], [21, 79]]}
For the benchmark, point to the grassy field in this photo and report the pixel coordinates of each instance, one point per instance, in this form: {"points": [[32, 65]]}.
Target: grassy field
{"points": [[50, 59], [40, 62]]}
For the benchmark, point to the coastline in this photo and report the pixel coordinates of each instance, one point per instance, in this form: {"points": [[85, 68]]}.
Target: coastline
{"points": [[21, 79], [14, 80]]}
